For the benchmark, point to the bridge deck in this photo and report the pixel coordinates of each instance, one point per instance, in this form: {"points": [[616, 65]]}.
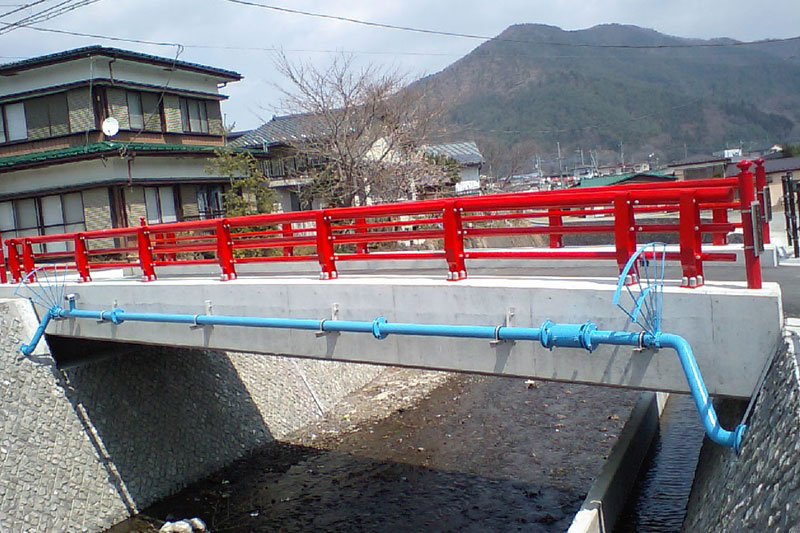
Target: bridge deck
{"points": [[733, 330]]}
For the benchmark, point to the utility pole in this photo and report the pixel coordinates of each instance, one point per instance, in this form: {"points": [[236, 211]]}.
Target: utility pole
{"points": [[622, 155], [560, 168]]}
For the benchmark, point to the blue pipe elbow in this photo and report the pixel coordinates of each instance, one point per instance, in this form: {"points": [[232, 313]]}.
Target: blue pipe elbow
{"points": [[705, 408], [28, 349]]}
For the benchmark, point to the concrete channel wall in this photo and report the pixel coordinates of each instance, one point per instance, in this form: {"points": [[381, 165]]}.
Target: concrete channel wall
{"points": [[760, 489], [82, 448]]}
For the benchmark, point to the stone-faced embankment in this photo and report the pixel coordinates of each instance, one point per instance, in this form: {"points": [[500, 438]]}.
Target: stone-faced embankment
{"points": [[83, 447], [758, 490]]}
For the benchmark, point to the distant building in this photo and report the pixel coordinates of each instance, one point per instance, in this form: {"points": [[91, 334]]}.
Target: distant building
{"points": [[469, 160], [656, 176], [283, 160], [288, 155], [58, 170], [700, 166], [775, 169]]}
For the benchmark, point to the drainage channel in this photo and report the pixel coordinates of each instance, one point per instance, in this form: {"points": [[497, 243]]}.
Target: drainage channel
{"points": [[646, 481], [659, 497]]}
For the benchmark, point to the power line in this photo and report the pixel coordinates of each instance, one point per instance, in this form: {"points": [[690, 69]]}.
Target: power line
{"points": [[46, 14], [214, 47], [490, 38], [98, 36], [20, 7]]}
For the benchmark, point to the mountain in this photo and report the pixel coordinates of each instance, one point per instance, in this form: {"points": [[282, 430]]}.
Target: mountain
{"points": [[534, 86]]}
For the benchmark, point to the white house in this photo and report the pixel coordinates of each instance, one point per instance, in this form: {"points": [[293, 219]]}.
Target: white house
{"points": [[60, 172]]}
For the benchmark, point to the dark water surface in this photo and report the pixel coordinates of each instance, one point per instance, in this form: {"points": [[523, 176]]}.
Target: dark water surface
{"points": [[658, 502], [480, 454]]}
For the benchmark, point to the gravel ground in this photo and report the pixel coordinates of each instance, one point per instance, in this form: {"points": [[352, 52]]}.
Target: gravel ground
{"points": [[419, 451]]}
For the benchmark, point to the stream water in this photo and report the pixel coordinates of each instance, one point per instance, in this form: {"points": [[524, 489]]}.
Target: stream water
{"points": [[480, 454], [658, 501]]}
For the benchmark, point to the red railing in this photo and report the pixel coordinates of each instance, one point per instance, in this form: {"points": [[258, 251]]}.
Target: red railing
{"points": [[443, 227]]}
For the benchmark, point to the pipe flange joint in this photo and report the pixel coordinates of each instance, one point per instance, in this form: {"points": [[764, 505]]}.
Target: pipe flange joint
{"points": [[116, 315], [55, 311], [376, 328], [586, 335], [546, 335]]}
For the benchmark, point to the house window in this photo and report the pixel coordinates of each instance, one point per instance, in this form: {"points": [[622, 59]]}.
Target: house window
{"points": [[47, 215], [144, 111], [47, 116], [13, 126], [273, 168], [210, 201], [135, 115], [159, 204], [194, 115]]}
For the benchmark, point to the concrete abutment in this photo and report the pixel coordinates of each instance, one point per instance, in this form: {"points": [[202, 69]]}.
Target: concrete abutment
{"points": [[84, 447]]}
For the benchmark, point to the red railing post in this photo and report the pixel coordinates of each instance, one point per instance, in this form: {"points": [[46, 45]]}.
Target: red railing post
{"points": [[325, 251], [13, 262], [555, 220], [82, 257], [3, 275], [286, 231], [145, 253], [361, 247], [752, 261], [761, 184], [225, 250], [719, 216], [690, 240], [28, 262], [624, 230], [454, 242]]}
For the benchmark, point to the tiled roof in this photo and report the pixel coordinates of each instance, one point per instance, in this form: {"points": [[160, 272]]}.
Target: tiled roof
{"points": [[279, 130], [88, 150], [465, 153], [785, 164], [119, 53], [602, 181], [698, 159]]}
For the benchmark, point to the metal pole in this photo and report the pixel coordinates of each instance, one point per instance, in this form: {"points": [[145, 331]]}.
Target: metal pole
{"points": [[792, 191], [786, 200], [795, 191]]}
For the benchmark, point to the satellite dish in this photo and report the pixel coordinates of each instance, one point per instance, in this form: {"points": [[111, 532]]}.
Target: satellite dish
{"points": [[110, 126]]}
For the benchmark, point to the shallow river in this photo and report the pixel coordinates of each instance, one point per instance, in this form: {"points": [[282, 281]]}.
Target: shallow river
{"points": [[477, 454]]}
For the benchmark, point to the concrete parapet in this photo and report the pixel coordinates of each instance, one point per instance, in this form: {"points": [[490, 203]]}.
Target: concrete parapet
{"points": [[731, 329], [81, 448], [760, 489]]}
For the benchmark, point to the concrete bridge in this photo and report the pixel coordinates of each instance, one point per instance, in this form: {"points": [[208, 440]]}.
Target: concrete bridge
{"points": [[711, 318], [735, 329]]}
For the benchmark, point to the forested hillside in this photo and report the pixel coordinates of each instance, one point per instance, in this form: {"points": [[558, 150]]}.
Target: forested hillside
{"points": [[535, 85]]}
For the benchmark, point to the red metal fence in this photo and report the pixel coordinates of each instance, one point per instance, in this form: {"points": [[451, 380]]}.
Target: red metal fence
{"points": [[442, 227]]}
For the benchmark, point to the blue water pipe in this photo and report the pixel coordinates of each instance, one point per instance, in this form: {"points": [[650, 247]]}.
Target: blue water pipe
{"points": [[549, 334]]}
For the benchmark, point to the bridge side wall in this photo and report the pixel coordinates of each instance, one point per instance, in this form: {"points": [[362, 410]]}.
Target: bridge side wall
{"points": [[82, 448], [760, 489]]}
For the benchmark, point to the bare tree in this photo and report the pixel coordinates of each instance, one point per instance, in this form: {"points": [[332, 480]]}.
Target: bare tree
{"points": [[506, 162], [366, 125]]}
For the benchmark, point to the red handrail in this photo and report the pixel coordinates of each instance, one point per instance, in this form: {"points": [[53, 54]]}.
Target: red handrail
{"points": [[331, 235]]}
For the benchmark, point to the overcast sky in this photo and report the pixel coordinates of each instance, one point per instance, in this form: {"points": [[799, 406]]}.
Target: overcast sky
{"points": [[218, 33]]}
